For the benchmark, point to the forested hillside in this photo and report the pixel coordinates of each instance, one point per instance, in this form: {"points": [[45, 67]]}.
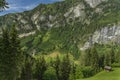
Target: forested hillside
{"points": [[73, 32]]}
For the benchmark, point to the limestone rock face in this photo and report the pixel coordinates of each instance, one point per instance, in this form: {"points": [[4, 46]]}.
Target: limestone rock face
{"points": [[103, 36], [94, 3], [37, 19], [77, 11]]}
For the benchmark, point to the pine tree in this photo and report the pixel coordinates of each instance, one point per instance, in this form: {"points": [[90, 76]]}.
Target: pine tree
{"points": [[117, 57], [94, 59], [26, 73], [88, 57], [0, 44], [3, 5], [11, 55], [73, 72], [101, 61], [41, 67], [16, 53], [112, 54], [65, 68], [56, 66], [107, 60], [4, 55]]}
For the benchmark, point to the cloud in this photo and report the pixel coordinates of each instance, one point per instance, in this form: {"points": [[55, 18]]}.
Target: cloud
{"points": [[15, 7], [23, 5]]}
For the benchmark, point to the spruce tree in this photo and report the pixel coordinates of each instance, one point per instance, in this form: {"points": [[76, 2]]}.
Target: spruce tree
{"points": [[65, 68], [4, 55], [11, 55], [101, 61], [3, 5], [27, 73], [107, 60], [88, 58], [73, 72], [117, 57], [41, 67], [95, 59], [112, 55], [56, 66], [16, 53]]}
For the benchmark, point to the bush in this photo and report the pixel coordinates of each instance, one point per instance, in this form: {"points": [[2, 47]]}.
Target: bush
{"points": [[87, 72], [50, 74], [115, 65], [78, 73]]}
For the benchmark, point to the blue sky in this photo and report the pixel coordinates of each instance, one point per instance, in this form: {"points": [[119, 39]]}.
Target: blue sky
{"points": [[23, 5]]}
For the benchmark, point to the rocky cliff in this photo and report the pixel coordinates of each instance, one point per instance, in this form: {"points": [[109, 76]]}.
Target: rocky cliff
{"points": [[108, 34], [47, 16]]}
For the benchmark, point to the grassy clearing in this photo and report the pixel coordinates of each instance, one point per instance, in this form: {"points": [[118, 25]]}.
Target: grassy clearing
{"points": [[53, 55], [114, 75]]}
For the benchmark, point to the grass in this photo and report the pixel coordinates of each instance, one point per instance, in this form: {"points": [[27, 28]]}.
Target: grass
{"points": [[53, 56], [113, 75]]}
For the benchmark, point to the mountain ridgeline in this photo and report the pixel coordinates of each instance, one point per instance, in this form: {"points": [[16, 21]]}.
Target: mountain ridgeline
{"points": [[67, 26]]}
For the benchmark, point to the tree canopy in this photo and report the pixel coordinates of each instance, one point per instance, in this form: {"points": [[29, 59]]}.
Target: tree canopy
{"points": [[3, 5]]}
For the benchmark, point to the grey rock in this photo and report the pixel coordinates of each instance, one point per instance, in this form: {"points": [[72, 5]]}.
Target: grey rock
{"points": [[104, 36]]}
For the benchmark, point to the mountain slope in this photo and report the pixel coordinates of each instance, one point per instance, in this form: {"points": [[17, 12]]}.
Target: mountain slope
{"points": [[50, 15], [65, 26]]}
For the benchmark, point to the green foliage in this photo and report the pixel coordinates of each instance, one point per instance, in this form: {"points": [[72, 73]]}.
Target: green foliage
{"points": [[11, 60], [100, 56], [73, 72], [57, 67], [50, 74], [116, 65], [65, 68], [78, 73], [37, 40], [41, 67], [103, 75], [62, 67], [88, 72], [95, 59], [107, 59], [3, 5], [91, 58], [117, 56], [27, 69]]}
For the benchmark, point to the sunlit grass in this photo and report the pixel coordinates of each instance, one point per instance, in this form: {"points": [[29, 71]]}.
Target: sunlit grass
{"points": [[113, 75]]}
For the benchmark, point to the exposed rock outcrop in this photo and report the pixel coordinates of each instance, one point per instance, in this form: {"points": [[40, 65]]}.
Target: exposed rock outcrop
{"points": [[94, 3], [104, 36], [28, 22]]}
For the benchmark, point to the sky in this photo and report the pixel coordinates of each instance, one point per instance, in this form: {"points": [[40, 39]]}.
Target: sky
{"points": [[23, 5]]}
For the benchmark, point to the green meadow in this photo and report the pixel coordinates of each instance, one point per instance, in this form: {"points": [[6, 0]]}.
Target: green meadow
{"points": [[104, 75]]}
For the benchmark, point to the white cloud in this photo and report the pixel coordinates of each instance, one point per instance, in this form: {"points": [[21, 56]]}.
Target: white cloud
{"points": [[19, 7], [16, 7], [30, 6]]}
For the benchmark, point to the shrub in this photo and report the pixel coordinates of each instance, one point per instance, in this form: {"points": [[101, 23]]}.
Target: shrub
{"points": [[88, 72], [50, 74], [115, 65]]}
